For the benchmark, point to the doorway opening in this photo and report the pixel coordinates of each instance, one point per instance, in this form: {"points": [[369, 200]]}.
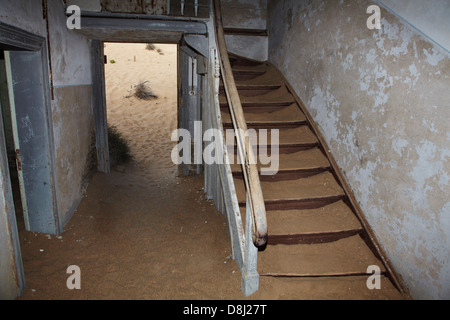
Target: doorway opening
{"points": [[9, 141], [141, 98], [27, 148]]}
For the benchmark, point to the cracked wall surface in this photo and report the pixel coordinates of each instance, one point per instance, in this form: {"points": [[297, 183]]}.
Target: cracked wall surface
{"points": [[382, 101]]}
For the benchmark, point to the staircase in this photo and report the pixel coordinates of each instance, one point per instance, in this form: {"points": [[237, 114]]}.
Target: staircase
{"points": [[314, 232]]}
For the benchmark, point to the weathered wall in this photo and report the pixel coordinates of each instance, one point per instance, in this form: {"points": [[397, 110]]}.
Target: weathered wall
{"points": [[71, 107], [251, 14], [381, 99], [73, 124], [157, 7]]}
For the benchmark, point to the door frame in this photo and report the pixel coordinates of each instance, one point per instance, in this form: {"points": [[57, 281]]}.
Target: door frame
{"points": [[99, 106], [13, 38]]}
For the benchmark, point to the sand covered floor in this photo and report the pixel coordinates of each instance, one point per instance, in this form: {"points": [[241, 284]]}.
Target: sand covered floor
{"points": [[141, 232]]}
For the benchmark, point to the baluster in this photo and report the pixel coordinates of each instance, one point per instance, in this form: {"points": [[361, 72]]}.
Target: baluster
{"points": [[250, 276], [196, 8], [182, 7]]}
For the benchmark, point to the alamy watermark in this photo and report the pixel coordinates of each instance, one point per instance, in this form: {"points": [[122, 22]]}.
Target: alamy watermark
{"points": [[74, 20], [74, 280], [374, 281], [208, 147], [374, 21]]}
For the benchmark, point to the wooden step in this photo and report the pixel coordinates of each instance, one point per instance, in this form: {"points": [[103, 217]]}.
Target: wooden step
{"points": [[336, 217], [289, 141], [293, 136], [311, 238], [245, 32], [270, 125], [240, 75], [252, 69], [307, 193], [281, 118], [270, 77], [249, 90], [349, 256], [248, 73], [240, 61], [323, 288], [291, 166], [316, 226], [275, 98]]}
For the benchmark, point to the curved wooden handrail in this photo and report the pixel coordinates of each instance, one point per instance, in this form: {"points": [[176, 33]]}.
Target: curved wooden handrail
{"points": [[255, 197]]}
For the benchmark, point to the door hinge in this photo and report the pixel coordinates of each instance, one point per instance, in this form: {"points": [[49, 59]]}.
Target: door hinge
{"points": [[18, 161]]}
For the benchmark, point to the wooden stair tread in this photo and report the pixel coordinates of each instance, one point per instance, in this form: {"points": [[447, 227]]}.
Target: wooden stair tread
{"points": [[236, 60], [278, 97], [262, 68], [256, 86], [289, 114], [319, 186], [295, 136], [251, 89], [301, 160], [336, 288], [347, 256], [246, 32], [270, 77], [336, 217]]}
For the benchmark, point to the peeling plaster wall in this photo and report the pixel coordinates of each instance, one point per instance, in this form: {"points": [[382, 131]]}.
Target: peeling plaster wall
{"points": [[251, 14], [26, 15], [71, 107], [86, 5], [73, 124], [382, 101], [156, 7]]}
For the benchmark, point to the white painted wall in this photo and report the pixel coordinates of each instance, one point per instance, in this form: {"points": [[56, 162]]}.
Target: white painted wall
{"points": [[70, 50]]}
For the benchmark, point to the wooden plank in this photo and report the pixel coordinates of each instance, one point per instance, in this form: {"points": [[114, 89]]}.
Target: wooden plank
{"points": [[99, 107], [102, 22], [283, 175], [323, 275], [312, 238], [246, 32], [270, 125], [251, 177], [300, 204]]}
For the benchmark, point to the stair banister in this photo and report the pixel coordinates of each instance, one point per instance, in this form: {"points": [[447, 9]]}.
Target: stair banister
{"points": [[255, 199]]}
